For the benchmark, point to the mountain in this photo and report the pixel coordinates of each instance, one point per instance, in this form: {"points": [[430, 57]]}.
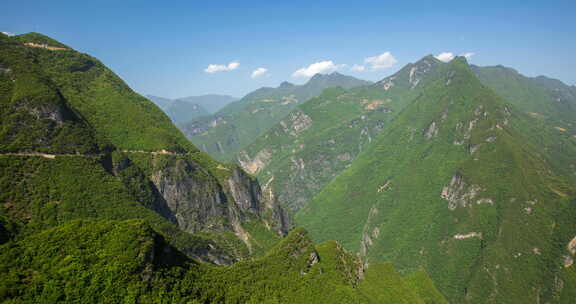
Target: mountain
{"points": [[239, 123], [183, 110], [542, 97], [211, 102], [302, 153], [104, 201], [179, 111], [297, 157], [161, 102], [76, 142], [457, 184]]}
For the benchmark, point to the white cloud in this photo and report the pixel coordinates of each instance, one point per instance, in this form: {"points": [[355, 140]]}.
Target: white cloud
{"points": [[445, 56], [468, 55], [358, 68], [233, 65], [259, 72], [315, 68], [382, 61], [8, 33], [213, 68]]}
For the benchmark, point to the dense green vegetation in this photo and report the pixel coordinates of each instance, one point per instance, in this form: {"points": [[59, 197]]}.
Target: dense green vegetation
{"points": [[456, 184], [127, 262], [100, 96], [70, 106], [543, 98], [241, 122]]}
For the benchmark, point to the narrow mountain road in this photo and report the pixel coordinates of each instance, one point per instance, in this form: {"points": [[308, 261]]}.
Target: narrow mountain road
{"points": [[38, 154], [52, 156], [164, 152]]}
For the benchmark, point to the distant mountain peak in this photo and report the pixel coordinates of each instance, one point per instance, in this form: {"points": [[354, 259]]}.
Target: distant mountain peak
{"points": [[286, 84], [336, 78]]}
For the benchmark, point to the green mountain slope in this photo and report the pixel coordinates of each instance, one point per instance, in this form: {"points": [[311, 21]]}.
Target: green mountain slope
{"points": [[239, 123], [78, 143], [551, 103], [303, 152], [454, 185], [127, 262], [544, 98]]}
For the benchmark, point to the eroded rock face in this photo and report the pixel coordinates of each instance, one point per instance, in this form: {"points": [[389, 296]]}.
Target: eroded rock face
{"points": [[388, 83], [5, 70], [572, 246], [419, 70], [197, 201], [192, 203], [468, 235], [458, 193], [432, 130], [49, 110], [296, 123], [254, 165], [369, 234]]}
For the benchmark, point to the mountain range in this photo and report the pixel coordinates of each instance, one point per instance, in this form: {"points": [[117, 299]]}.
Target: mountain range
{"points": [[183, 110], [466, 171], [443, 183], [104, 200], [239, 123]]}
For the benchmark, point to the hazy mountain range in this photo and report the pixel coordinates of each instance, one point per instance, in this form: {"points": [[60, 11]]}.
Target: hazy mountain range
{"points": [[183, 110]]}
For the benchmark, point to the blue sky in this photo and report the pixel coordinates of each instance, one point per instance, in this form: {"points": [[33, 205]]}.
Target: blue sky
{"points": [[164, 48]]}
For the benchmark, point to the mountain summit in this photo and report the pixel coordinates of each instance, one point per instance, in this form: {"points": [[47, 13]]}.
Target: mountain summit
{"points": [[455, 184]]}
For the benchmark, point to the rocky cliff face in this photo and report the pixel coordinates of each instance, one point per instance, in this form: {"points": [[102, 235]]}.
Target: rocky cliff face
{"points": [[197, 198]]}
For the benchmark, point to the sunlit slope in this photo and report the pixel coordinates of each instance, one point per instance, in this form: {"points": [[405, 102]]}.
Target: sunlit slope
{"points": [[453, 186]]}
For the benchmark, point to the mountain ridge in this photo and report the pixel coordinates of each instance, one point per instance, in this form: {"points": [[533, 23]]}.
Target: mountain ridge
{"points": [[236, 125], [426, 193]]}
